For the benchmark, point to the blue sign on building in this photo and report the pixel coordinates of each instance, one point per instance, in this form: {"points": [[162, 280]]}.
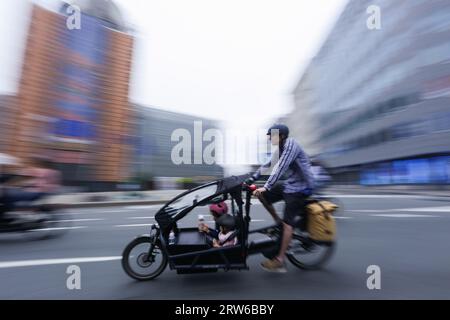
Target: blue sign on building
{"points": [[80, 77], [434, 170]]}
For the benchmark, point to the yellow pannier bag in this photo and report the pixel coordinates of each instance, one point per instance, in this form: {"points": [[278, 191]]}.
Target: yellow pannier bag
{"points": [[321, 224]]}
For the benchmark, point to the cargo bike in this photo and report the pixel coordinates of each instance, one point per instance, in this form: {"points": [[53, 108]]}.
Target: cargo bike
{"points": [[148, 255]]}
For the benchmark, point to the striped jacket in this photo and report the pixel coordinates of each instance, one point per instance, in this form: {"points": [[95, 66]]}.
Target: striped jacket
{"points": [[295, 163]]}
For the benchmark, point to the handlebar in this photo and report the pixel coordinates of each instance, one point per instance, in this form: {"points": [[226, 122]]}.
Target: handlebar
{"points": [[250, 188]]}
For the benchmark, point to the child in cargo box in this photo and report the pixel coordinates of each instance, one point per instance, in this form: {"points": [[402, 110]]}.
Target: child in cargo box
{"points": [[217, 210], [227, 235]]}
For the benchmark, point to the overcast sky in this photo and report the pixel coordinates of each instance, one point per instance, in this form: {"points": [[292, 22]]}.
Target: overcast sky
{"points": [[234, 60]]}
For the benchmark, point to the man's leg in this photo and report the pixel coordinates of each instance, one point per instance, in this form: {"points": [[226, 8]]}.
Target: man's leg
{"points": [[270, 197], [295, 204], [286, 240], [269, 207], [294, 207]]}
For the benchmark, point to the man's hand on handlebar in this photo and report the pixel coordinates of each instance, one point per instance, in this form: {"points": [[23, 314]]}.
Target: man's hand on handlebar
{"points": [[259, 191]]}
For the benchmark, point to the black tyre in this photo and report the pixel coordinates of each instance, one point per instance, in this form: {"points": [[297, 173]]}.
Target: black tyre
{"points": [[309, 255], [141, 265]]}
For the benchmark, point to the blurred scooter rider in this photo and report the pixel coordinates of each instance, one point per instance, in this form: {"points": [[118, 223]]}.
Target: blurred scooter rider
{"points": [[6, 176], [42, 180]]}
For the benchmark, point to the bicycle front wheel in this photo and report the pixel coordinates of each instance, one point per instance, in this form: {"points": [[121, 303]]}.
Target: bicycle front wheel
{"points": [[141, 264]]}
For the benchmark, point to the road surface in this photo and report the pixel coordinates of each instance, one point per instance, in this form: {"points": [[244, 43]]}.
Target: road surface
{"points": [[406, 236]]}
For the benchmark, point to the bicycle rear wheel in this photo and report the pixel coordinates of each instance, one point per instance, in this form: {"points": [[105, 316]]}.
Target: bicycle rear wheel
{"points": [[307, 254]]}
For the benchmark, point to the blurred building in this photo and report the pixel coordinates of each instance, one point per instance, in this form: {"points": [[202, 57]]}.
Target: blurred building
{"points": [[154, 144], [7, 110], [302, 125], [379, 100], [72, 103]]}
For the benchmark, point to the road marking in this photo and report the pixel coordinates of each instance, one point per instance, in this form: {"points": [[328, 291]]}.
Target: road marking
{"points": [[369, 211], [403, 215], [426, 209], [343, 218], [57, 229], [136, 218], [77, 220], [143, 207], [132, 225], [379, 196], [45, 262], [70, 213]]}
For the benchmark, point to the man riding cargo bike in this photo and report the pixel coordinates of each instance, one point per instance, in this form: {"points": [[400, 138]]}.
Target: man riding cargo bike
{"points": [[189, 249], [298, 186]]}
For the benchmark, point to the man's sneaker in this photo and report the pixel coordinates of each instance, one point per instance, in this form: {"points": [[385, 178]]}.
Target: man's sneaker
{"points": [[274, 265]]}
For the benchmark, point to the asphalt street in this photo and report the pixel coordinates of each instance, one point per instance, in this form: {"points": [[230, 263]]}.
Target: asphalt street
{"points": [[406, 236]]}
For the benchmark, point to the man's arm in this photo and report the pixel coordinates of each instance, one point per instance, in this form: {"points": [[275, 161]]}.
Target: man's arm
{"points": [[265, 166], [287, 157]]}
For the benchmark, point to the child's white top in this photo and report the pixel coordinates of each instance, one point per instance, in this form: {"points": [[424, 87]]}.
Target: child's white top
{"points": [[223, 237]]}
